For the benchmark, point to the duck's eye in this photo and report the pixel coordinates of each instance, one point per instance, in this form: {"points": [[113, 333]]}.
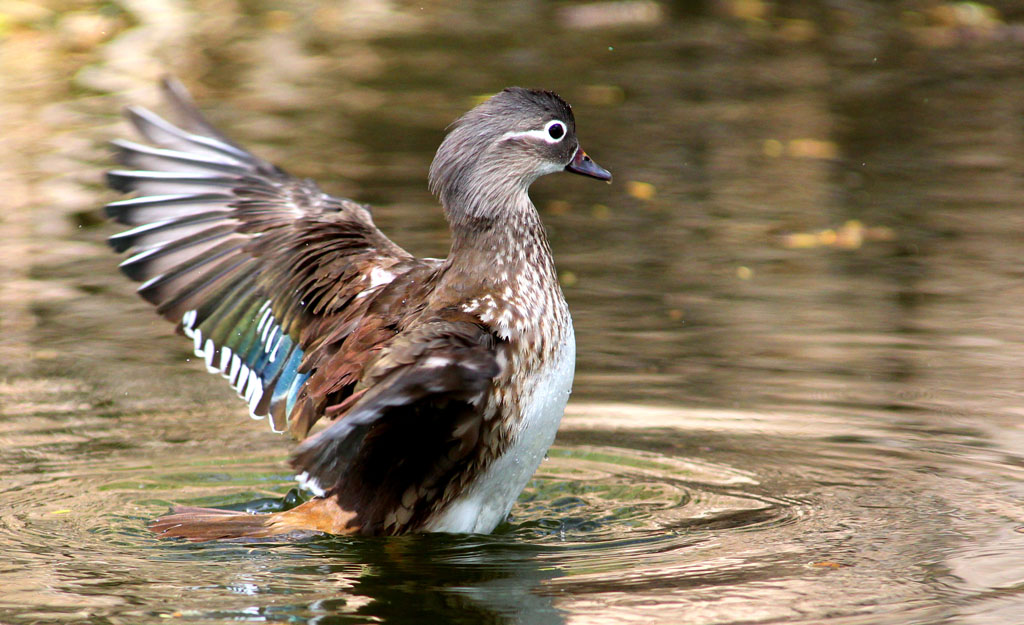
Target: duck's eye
{"points": [[552, 133], [556, 130]]}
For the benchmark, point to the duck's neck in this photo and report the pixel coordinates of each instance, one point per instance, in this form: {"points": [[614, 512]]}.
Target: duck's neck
{"points": [[507, 241], [503, 267]]}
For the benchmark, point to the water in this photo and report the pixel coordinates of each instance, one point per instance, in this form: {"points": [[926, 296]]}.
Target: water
{"points": [[799, 312]]}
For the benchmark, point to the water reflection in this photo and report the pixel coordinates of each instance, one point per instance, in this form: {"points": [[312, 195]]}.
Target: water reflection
{"points": [[798, 388], [440, 579]]}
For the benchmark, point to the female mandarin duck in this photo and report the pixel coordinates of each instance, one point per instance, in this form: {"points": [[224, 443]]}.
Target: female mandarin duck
{"points": [[443, 381]]}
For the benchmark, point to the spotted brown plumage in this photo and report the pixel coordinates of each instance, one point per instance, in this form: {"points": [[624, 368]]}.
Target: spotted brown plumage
{"points": [[442, 381]]}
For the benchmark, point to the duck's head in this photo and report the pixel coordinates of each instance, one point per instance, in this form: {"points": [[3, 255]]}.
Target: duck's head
{"points": [[500, 147]]}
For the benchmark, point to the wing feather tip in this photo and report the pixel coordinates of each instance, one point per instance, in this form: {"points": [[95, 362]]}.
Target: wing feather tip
{"points": [[118, 181], [310, 483]]}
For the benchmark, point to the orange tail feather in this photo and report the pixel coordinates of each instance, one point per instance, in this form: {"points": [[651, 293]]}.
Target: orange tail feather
{"points": [[203, 524]]}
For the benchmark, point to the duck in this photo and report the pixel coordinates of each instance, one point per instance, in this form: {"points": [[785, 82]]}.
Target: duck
{"points": [[423, 393]]}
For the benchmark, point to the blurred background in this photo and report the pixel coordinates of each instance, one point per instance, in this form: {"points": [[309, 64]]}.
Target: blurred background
{"points": [[799, 309]]}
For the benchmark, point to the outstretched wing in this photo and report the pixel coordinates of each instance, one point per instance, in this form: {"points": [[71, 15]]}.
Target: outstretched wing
{"points": [[276, 282], [421, 420]]}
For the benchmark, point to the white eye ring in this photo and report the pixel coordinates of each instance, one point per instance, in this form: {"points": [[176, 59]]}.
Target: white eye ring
{"points": [[555, 130], [542, 135]]}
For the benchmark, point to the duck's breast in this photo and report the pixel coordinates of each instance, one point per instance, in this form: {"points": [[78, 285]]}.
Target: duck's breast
{"points": [[487, 500]]}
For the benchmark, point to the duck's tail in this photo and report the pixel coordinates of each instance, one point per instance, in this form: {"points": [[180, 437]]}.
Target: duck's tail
{"points": [[204, 524]]}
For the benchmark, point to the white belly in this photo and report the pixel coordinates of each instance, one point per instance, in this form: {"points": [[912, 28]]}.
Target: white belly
{"points": [[488, 500]]}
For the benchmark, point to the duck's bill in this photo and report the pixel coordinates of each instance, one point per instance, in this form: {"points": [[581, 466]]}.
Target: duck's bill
{"points": [[585, 166]]}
